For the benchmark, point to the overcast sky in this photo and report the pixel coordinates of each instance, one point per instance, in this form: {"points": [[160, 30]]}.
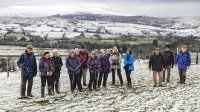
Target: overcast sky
{"points": [[158, 8]]}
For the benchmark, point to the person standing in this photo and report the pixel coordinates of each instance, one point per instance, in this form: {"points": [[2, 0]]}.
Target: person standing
{"points": [[94, 66], [129, 67], [46, 67], [27, 64], [169, 62], [57, 60], [85, 57], [156, 64], [104, 68], [183, 60], [115, 61], [74, 67]]}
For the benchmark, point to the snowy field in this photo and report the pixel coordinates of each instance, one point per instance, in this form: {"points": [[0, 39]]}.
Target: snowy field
{"points": [[142, 97]]}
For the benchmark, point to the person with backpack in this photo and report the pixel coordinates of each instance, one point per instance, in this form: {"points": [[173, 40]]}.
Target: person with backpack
{"points": [[104, 68], [73, 65], [169, 62], [183, 61], [28, 65], [156, 64], [128, 65], [94, 66], [46, 67], [85, 57], [57, 60], [115, 61]]}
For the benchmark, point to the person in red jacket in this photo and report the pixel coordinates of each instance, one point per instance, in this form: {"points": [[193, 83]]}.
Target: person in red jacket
{"points": [[85, 57]]}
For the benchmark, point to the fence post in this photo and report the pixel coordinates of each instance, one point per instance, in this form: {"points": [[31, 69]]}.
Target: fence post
{"points": [[197, 58], [7, 67]]}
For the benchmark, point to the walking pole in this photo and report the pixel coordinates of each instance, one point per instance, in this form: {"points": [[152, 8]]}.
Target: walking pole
{"points": [[7, 67]]}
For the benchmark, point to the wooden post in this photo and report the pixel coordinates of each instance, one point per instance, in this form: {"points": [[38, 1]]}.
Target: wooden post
{"points": [[8, 67], [197, 58]]}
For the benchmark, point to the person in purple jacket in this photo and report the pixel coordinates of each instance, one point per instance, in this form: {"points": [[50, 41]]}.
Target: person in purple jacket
{"points": [[183, 60], [104, 68], [94, 66], [74, 67]]}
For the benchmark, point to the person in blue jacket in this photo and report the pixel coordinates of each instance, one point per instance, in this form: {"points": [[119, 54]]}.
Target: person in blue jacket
{"points": [[27, 64], [183, 61], [128, 65]]}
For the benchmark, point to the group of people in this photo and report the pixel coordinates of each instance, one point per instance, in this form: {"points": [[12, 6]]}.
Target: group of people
{"points": [[79, 62], [159, 63]]}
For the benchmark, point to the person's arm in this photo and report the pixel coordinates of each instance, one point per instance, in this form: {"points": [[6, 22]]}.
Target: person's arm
{"points": [[177, 59], [88, 64], [131, 59], [163, 63], [41, 66], [35, 66], [78, 66], [150, 63], [110, 59], [20, 61], [189, 60], [120, 59], [67, 65], [172, 59], [61, 63]]}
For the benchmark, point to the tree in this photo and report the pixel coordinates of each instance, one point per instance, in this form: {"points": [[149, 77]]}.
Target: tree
{"points": [[155, 42]]}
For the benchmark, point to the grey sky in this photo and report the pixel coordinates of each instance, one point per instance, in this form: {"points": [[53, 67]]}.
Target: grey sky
{"points": [[160, 8]]}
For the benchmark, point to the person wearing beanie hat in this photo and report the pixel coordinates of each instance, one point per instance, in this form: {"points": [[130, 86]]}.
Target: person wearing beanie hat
{"points": [[183, 61], [57, 60], [115, 61], [168, 61], [94, 66], [104, 68], [156, 64], [84, 58], [46, 67], [28, 65]]}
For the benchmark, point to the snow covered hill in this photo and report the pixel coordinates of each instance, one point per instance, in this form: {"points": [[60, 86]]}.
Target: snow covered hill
{"points": [[142, 97]]}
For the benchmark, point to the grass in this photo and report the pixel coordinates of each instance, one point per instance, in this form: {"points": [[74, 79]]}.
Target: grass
{"points": [[42, 102]]}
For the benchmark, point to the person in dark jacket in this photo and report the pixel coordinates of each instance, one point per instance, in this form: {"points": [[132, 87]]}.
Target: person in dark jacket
{"points": [[94, 66], [46, 67], [183, 60], [74, 67], [57, 60], [104, 69], [27, 64], [85, 57], [128, 65], [156, 64], [169, 62], [115, 61]]}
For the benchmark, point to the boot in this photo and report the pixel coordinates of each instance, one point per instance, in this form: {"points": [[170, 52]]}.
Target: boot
{"points": [[49, 91], [57, 90], [42, 92], [52, 90]]}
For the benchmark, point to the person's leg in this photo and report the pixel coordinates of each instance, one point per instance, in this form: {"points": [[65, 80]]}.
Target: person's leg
{"points": [[164, 71], [180, 75], [71, 82], [168, 73], [120, 76], [129, 78], [49, 83], [155, 78], [57, 84], [113, 76], [91, 81], [23, 86], [105, 77], [30, 85], [53, 82], [100, 79], [84, 77], [95, 80], [43, 84], [160, 76], [78, 82], [183, 76]]}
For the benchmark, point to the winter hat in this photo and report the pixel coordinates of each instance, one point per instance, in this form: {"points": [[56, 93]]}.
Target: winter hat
{"points": [[77, 49], [82, 47], [45, 52], [92, 53], [29, 47], [167, 46]]}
